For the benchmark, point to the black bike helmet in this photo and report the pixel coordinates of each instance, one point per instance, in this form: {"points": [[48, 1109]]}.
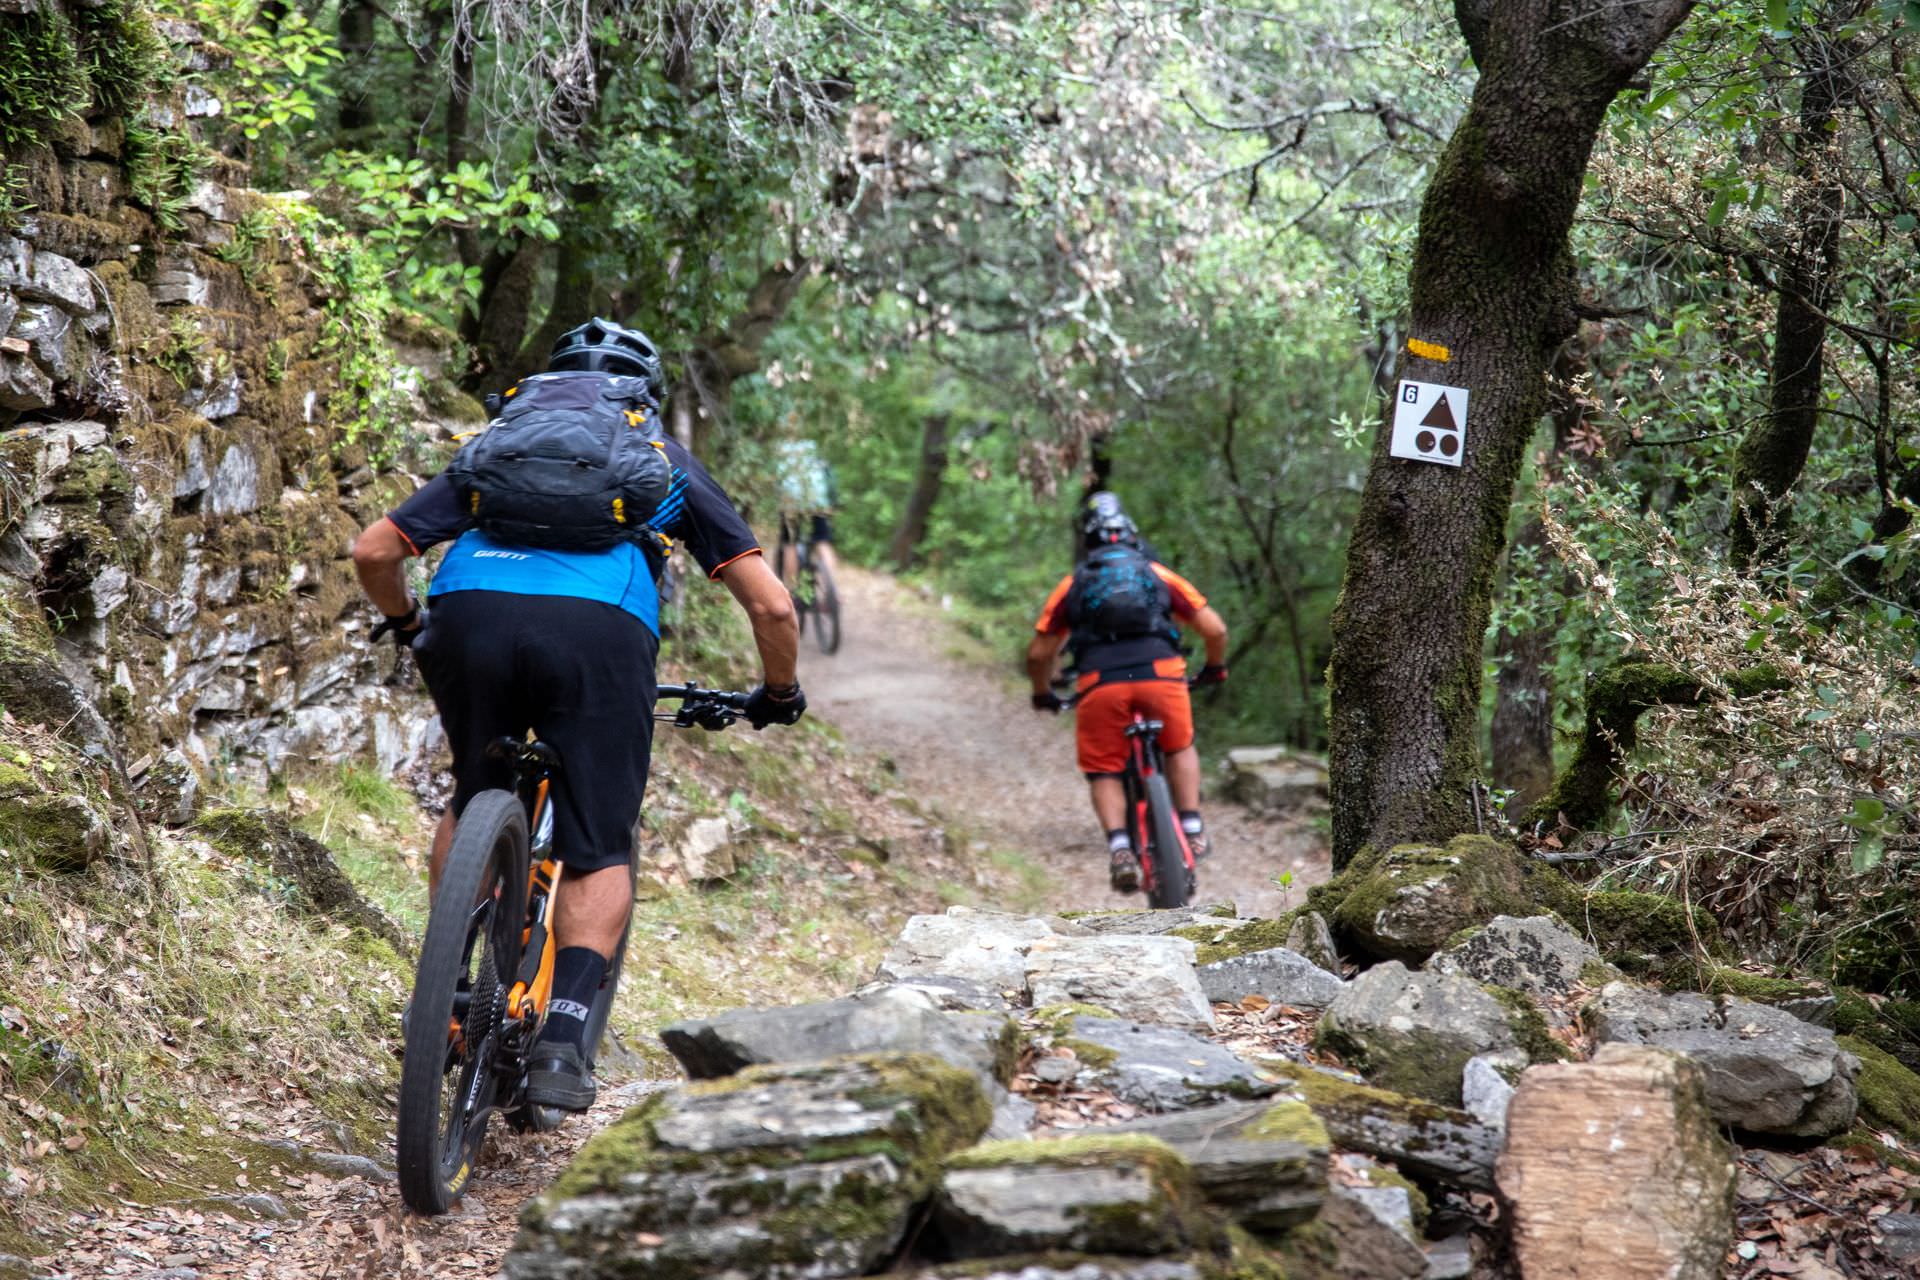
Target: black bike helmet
{"points": [[1103, 522], [600, 346]]}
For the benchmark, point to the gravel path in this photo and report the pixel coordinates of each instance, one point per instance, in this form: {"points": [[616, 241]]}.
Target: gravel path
{"points": [[954, 718]]}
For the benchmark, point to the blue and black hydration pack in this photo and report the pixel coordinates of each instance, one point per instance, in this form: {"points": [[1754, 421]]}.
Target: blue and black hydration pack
{"points": [[1115, 596], [573, 461]]}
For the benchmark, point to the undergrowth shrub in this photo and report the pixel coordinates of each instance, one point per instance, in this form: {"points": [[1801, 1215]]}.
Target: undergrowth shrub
{"points": [[1787, 814]]}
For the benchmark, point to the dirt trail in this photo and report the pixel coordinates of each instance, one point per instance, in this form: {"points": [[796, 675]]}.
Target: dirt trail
{"points": [[908, 684]]}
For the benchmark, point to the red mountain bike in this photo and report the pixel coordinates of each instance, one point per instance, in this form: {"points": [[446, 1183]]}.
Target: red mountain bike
{"points": [[1153, 824], [480, 990]]}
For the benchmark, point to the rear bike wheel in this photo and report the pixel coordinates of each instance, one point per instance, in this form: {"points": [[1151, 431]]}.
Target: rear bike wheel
{"points": [[468, 960], [826, 609], [1169, 883]]}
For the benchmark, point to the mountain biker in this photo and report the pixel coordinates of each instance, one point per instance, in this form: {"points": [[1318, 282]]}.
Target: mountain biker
{"points": [[808, 495], [564, 641], [1116, 613]]}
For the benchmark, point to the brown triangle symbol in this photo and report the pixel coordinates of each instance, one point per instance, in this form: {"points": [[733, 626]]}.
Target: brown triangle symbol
{"points": [[1440, 417]]}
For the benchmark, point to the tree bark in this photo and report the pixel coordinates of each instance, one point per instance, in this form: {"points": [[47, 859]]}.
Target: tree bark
{"points": [[1492, 282], [1774, 451], [926, 492], [720, 357], [356, 43]]}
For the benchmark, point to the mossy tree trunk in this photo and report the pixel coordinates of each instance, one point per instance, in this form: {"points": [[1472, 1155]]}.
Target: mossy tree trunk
{"points": [[926, 492], [1774, 451], [1616, 699], [1493, 282]]}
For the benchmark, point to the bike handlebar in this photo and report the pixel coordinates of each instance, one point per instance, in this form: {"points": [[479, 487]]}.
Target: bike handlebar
{"points": [[701, 708]]}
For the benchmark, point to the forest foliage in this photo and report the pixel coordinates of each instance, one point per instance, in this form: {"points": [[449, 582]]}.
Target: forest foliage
{"points": [[1165, 248]]}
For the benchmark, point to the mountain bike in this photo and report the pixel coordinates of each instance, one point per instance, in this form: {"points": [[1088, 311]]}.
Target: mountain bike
{"points": [[485, 973], [815, 594], [1158, 841]]}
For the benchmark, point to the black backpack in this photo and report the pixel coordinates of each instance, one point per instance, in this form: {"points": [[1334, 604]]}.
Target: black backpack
{"points": [[574, 462], [1116, 595]]}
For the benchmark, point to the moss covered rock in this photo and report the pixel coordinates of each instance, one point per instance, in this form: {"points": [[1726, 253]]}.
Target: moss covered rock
{"points": [[1103, 1193], [1889, 1091], [775, 1172], [1422, 1138], [55, 814], [1414, 1032], [1405, 903], [301, 862], [1262, 1163]]}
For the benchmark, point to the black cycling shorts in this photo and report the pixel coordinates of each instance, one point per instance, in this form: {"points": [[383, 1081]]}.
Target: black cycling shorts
{"points": [[580, 674]]}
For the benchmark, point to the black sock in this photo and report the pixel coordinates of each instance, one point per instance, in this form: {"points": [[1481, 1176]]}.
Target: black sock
{"points": [[1190, 822], [576, 977]]}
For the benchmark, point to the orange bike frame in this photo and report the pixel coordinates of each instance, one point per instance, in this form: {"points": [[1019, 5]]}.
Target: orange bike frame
{"points": [[530, 1000]]}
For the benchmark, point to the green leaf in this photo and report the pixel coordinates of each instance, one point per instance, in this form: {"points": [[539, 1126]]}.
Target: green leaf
{"points": [[1863, 740], [1904, 222], [1868, 853], [1867, 810], [1777, 15], [1717, 212], [1756, 641]]}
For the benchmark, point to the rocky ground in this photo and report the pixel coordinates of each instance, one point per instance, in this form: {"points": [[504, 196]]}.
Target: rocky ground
{"points": [[1188, 1094]]}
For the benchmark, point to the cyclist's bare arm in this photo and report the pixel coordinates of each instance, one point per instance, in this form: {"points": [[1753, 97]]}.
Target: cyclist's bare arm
{"points": [[1041, 655], [1213, 632], [770, 609], [378, 556]]}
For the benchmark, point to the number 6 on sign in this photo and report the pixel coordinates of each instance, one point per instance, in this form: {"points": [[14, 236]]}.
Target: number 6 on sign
{"points": [[1429, 423]]}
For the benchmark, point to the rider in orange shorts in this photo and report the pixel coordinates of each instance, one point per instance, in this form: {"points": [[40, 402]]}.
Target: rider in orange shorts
{"points": [[1116, 612]]}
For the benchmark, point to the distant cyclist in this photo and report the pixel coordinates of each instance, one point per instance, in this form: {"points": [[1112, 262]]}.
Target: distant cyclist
{"points": [[1117, 613], [808, 495], [545, 616]]}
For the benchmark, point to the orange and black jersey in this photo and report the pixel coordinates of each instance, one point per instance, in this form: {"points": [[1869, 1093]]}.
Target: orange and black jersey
{"points": [[1184, 602]]}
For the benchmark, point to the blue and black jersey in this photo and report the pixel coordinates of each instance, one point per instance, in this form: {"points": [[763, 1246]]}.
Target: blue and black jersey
{"points": [[696, 512]]}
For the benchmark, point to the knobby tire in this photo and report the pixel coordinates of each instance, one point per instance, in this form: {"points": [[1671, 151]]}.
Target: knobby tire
{"points": [[826, 609], [1170, 887], [436, 1143]]}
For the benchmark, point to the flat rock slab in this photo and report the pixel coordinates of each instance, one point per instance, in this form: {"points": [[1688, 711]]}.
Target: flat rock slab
{"points": [[1282, 976], [950, 993], [1534, 954], [1765, 1070], [981, 947], [1426, 1140], [879, 1020], [1068, 1269], [781, 1173], [1614, 1168], [1159, 1068], [1414, 1032], [1275, 779], [1264, 1163], [1147, 979], [1151, 923], [1098, 1193]]}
